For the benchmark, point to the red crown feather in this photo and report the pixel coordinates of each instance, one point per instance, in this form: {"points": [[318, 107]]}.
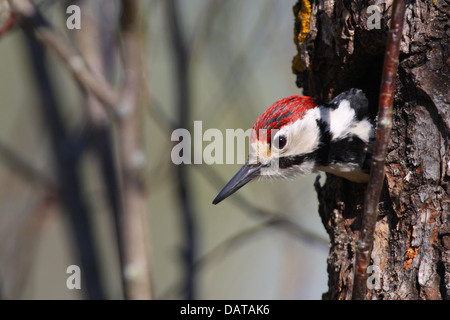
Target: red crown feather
{"points": [[281, 113]]}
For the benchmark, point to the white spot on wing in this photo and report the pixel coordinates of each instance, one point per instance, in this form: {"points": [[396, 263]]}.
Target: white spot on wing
{"points": [[362, 129], [340, 120]]}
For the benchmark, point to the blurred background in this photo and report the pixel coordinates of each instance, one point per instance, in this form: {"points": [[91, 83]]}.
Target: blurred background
{"points": [[220, 62]]}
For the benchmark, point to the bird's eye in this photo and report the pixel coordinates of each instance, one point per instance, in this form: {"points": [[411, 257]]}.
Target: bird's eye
{"points": [[281, 143]]}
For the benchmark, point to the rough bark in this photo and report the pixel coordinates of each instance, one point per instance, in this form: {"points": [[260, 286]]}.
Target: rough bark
{"points": [[337, 51]]}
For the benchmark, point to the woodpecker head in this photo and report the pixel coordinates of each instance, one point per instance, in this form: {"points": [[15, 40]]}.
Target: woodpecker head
{"points": [[296, 136]]}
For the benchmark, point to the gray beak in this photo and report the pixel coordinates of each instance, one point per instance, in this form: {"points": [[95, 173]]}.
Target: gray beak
{"points": [[246, 174]]}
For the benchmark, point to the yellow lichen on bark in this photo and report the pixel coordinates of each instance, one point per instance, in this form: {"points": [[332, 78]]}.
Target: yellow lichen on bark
{"points": [[304, 15]]}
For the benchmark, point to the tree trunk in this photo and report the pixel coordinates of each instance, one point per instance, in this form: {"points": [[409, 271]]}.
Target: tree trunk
{"points": [[339, 48]]}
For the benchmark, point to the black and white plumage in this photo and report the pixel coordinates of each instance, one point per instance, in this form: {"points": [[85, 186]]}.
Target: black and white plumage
{"points": [[347, 136], [298, 136]]}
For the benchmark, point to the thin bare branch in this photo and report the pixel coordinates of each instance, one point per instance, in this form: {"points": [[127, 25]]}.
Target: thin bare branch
{"points": [[134, 231], [258, 213], [93, 43], [29, 16], [181, 62], [364, 245], [66, 150], [220, 251]]}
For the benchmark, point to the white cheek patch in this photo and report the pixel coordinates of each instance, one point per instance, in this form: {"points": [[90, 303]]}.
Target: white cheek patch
{"points": [[303, 136]]}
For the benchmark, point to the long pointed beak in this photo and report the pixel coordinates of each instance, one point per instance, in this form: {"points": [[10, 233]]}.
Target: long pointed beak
{"points": [[246, 174]]}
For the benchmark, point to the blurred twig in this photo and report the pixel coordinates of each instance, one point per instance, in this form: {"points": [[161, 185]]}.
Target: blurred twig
{"points": [[242, 237], [181, 62], [93, 44], [29, 16], [220, 251], [235, 71], [131, 228], [375, 185], [248, 207], [67, 152], [259, 213], [164, 123], [135, 237], [273, 220], [207, 17]]}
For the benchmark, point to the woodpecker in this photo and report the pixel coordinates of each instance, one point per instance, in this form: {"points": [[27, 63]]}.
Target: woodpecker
{"points": [[298, 136]]}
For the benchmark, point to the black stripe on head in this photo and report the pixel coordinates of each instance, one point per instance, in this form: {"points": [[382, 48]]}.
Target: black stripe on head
{"points": [[287, 162]]}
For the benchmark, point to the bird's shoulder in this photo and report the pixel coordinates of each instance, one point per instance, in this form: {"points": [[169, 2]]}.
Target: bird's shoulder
{"points": [[355, 99]]}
